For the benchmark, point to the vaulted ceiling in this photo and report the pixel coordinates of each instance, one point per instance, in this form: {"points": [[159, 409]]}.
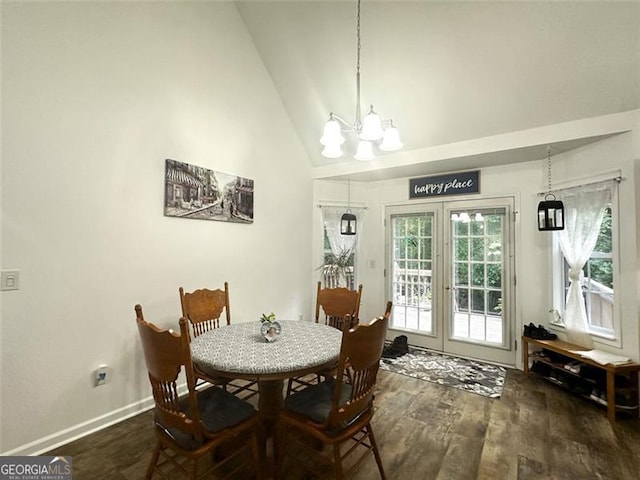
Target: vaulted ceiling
{"points": [[449, 72]]}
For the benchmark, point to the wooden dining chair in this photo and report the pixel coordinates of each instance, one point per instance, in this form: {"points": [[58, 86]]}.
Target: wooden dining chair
{"points": [[335, 412], [204, 309], [387, 317], [387, 310], [333, 305], [189, 427]]}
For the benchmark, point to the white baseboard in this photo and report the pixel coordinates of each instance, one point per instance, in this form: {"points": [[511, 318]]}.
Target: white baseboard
{"points": [[70, 434]]}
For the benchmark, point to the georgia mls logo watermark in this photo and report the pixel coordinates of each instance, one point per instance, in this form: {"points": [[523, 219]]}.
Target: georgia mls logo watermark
{"points": [[36, 468]]}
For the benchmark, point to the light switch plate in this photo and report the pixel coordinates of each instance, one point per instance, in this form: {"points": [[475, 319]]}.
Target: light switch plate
{"points": [[9, 280]]}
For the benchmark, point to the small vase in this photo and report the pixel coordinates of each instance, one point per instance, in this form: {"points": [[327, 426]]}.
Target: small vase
{"points": [[270, 331]]}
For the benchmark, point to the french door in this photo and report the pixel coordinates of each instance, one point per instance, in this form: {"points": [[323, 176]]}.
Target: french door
{"points": [[450, 276]]}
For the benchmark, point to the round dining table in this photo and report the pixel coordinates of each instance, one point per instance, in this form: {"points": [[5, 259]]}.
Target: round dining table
{"points": [[240, 351]]}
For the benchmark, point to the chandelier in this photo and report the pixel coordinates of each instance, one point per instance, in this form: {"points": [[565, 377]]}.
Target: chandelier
{"points": [[372, 129]]}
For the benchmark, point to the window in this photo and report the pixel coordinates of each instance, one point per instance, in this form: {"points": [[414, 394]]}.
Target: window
{"points": [[339, 253], [591, 233], [412, 270], [338, 270], [477, 243]]}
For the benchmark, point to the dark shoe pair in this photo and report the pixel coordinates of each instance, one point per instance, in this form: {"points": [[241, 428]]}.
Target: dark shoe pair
{"points": [[397, 348], [538, 333], [400, 344]]}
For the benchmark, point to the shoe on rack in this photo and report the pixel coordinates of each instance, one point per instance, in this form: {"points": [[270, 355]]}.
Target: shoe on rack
{"points": [[542, 369], [582, 388], [546, 334], [532, 331], [538, 333], [624, 402], [599, 396], [573, 367]]}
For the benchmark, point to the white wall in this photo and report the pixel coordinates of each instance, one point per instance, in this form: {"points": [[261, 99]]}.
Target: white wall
{"points": [[1, 243], [522, 181], [95, 96]]}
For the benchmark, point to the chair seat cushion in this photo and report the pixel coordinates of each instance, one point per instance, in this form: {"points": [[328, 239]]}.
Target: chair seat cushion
{"points": [[314, 402], [219, 409]]}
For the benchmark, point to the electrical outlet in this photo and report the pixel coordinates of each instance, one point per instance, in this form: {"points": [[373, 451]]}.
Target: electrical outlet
{"points": [[101, 376], [10, 280]]}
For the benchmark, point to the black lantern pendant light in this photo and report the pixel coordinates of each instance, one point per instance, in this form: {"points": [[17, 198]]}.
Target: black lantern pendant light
{"points": [[348, 220], [550, 210]]}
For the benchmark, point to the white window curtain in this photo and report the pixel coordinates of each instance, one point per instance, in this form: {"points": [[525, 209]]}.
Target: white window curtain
{"points": [[583, 210], [341, 244]]}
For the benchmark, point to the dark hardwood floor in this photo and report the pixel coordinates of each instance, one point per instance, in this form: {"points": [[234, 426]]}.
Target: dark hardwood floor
{"points": [[427, 431]]}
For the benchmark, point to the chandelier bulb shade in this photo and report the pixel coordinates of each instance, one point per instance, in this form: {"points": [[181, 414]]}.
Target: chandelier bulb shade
{"points": [[332, 136], [365, 151], [370, 129], [332, 151], [371, 126], [391, 139]]}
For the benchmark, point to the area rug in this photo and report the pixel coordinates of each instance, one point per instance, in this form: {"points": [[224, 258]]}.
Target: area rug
{"points": [[468, 375]]}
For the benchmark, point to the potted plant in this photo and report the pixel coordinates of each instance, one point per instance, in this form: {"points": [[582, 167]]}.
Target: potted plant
{"points": [[337, 268]]}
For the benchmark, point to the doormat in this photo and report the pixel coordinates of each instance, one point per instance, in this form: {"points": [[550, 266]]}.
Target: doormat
{"points": [[468, 375]]}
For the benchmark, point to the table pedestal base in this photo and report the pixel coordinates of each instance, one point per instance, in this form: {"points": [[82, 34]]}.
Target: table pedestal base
{"points": [[270, 402]]}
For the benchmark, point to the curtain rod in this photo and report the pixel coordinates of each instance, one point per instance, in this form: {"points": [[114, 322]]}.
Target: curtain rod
{"points": [[616, 179], [320, 205]]}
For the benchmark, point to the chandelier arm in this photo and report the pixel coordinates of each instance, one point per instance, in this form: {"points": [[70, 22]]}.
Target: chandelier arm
{"points": [[341, 120]]}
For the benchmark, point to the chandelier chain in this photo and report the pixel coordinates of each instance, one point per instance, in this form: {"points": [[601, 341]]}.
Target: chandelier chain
{"points": [[549, 168], [358, 111], [358, 37]]}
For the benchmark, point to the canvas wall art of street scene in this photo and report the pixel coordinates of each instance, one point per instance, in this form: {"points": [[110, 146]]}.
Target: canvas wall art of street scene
{"points": [[201, 193]]}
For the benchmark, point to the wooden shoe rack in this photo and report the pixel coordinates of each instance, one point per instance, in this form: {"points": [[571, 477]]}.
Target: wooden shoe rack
{"points": [[620, 379]]}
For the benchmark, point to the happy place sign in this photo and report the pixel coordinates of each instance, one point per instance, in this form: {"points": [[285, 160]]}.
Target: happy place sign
{"points": [[448, 184]]}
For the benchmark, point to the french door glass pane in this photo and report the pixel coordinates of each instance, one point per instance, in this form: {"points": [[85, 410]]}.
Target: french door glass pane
{"points": [[477, 275], [411, 271]]}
